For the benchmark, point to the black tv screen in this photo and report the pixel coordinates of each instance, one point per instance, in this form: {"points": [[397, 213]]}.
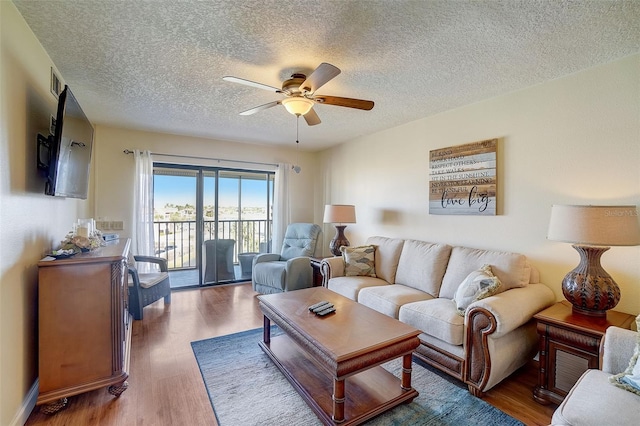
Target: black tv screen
{"points": [[66, 166]]}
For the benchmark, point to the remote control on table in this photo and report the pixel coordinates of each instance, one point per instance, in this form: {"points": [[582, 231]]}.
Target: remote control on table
{"points": [[326, 311], [322, 308], [317, 305]]}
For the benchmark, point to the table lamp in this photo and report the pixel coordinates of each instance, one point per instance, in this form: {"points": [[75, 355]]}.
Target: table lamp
{"points": [[593, 230], [339, 214]]}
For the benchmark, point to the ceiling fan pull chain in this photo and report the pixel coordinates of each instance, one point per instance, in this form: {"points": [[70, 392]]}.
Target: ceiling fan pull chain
{"points": [[296, 168]]}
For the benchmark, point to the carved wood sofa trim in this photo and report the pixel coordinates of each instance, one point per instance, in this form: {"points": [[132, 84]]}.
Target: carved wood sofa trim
{"points": [[480, 324]]}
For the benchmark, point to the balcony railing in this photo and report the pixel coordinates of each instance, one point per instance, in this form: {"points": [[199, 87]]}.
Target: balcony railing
{"points": [[176, 240]]}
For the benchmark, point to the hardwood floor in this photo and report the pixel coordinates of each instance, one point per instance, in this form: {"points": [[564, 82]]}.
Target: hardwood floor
{"points": [[165, 385]]}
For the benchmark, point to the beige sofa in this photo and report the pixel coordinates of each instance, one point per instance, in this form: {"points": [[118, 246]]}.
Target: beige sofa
{"points": [[594, 400], [416, 281]]}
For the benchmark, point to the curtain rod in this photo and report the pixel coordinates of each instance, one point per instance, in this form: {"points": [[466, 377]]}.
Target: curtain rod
{"points": [[128, 151]]}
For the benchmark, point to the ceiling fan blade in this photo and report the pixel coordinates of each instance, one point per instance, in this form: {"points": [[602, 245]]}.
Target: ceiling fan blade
{"points": [[251, 83], [260, 108], [344, 102], [312, 118], [319, 77]]}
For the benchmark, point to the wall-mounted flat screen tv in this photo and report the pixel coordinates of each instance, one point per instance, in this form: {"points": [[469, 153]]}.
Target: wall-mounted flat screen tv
{"points": [[64, 157]]}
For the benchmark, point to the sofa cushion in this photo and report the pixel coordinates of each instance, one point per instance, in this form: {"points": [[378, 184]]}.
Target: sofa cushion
{"points": [[388, 299], [351, 286], [437, 317], [478, 285], [512, 269], [629, 379], [359, 261], [387, 254], [422, 265], [593, 401]]}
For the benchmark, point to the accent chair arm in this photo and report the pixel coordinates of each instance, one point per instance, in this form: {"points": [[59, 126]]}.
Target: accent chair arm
{"points": [[617, 348], [160, 261], [299, 273], [266, 257], [331, 267]]}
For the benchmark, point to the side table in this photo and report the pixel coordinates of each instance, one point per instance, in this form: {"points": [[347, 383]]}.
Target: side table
{"points": [[569, 345]]}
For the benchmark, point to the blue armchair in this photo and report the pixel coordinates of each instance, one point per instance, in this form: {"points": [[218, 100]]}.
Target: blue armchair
{"points": [[291, 269]]}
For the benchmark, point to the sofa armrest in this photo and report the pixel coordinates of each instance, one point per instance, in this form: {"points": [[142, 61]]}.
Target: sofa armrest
{"points": [[617, 348], [331, 267], [299, 273], [266, 257], [493, 317], [514, 307]]}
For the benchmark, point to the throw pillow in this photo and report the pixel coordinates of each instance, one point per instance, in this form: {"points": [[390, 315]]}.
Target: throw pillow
{"points": [[629, 379], [478, 285], [359, 261]]}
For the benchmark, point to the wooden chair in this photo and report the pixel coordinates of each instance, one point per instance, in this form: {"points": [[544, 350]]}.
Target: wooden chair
{"points": [[146, 288]]}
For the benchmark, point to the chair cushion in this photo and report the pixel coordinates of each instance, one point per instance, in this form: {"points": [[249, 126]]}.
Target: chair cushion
{"points": [[300, 240], [593, 401], [437, 317], [422, 265], [387, 299], [359, 261], [351, 286], [629, 379], [148, 280]]}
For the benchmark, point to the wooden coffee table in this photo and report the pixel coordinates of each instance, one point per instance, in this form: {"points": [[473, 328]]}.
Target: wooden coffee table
{"points": [[342, 351]]}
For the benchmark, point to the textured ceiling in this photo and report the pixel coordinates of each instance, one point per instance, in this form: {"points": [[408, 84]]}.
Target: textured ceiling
{"points": [[158, 65]]}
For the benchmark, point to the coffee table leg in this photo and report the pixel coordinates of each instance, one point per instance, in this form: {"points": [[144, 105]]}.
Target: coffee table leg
{"points": [[406, 372], [266, 331], [338, 401]]}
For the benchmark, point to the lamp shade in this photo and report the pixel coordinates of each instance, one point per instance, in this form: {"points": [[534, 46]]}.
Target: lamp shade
{"points": [[339, 213], [297, 105], [595, 225]]}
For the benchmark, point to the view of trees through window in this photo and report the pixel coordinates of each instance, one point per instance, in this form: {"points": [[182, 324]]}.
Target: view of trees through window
{"points": [[194, 204]]}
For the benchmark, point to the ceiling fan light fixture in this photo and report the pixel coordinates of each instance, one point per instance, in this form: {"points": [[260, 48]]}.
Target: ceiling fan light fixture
{"points": [[298, 105]]}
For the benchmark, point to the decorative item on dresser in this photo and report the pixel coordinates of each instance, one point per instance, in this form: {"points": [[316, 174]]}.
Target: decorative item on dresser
{"points": [[339, 213], [569, 345], [592, 230], [84, 327]]}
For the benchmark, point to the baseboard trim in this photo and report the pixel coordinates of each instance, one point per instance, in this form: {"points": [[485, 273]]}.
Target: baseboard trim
{"points": [[29, 402]]}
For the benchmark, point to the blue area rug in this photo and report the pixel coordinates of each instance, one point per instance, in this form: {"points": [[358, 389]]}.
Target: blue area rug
{"points": [[245, 388]]}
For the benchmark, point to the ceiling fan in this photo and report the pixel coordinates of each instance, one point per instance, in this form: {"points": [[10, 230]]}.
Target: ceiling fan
{"points": [[300, 94]]}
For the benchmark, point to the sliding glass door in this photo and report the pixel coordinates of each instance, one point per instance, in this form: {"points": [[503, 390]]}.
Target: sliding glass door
{"points": [[213, 220]]}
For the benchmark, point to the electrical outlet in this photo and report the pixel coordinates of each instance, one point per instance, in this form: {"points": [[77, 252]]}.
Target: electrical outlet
{"points": [[103, 225]]}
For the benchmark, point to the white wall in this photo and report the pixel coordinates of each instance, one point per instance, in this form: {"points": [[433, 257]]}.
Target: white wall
{"points": [[115, 170], [31, 223], [575, 140]]}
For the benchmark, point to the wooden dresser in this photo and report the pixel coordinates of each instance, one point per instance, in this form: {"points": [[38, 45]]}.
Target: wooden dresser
{"points": [[84, 325]]}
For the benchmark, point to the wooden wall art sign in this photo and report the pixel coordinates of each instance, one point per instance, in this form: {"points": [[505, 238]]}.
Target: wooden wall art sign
{"points": [[463, 179]]}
